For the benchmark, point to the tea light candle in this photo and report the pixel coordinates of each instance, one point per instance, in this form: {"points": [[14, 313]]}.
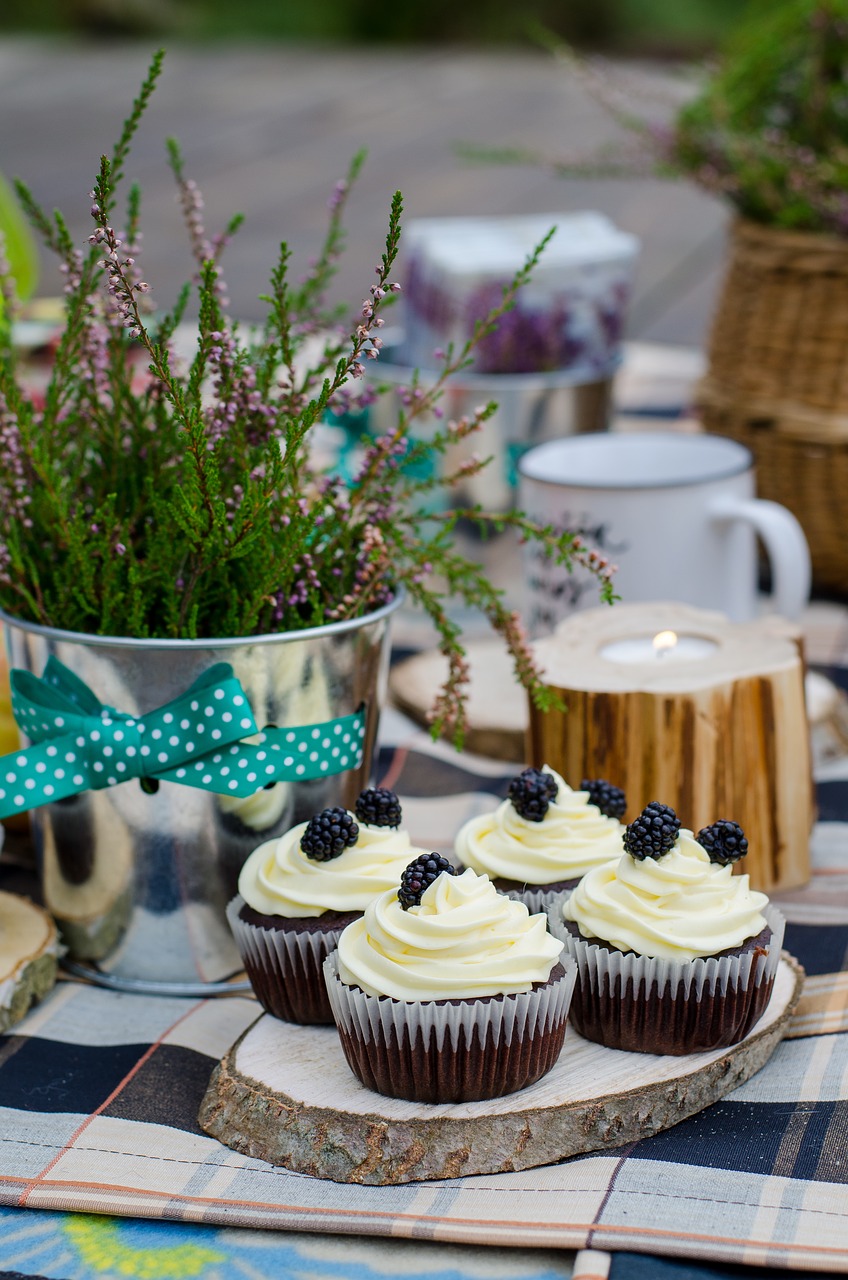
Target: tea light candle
{"points": [[665, 646], [680, 705]]}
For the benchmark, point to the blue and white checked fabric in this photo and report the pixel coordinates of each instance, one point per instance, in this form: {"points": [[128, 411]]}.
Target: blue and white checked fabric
{"points": [[99, 1095]]}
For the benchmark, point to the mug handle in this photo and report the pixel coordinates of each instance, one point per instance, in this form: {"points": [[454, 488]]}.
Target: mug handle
{"points": [[788, 552]]}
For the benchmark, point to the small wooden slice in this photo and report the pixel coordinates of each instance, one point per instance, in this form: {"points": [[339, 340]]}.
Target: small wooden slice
{"points": [[497, 703], [28, 956], [284, 1094]]}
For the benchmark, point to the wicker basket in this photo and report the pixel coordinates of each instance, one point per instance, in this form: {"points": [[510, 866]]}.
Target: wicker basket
{"points": [[777, 379]]}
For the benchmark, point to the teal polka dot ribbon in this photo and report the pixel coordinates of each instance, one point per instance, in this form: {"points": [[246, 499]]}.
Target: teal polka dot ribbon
{"points": [[78, 744]]}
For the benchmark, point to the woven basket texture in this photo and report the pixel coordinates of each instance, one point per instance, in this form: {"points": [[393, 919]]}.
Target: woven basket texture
{"points": [[777, 379], [781, 328]]}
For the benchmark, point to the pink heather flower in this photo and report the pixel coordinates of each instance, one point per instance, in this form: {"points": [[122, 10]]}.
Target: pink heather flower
{"points": [[338, 196]]}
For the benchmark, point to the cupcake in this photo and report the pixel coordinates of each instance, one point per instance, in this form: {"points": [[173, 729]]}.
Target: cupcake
{"points": [[544, 836], [297, 892], [448, 991], [675, 953]]}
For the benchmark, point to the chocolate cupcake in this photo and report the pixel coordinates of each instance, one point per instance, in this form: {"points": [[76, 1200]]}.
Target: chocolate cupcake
{"points": [[299, 891], [544, 836], [675, 954], [447, 991]]}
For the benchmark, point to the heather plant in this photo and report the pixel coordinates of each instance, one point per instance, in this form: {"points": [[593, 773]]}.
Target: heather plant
{"points": [[767, 130], [178, 497]]}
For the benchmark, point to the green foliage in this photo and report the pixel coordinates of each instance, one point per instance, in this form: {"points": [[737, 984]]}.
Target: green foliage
{"points": [[640, 25], [770, 129], [155, 496], [21, 255]]}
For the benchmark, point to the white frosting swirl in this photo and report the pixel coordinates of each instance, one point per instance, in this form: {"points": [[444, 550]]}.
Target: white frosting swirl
{"points": [[572, 838], [279, 880], [464, 940], [677, 907]]}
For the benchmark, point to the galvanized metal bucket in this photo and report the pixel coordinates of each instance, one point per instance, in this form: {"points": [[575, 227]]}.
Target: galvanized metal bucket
{"points": [[139, 882]]}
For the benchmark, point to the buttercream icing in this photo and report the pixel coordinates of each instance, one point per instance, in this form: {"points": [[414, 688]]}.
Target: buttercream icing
{"points": [[572, 838], [278, 879], [464, 940], [677, 907]]}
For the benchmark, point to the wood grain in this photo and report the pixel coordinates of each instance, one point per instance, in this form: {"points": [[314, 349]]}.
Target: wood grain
{"points": [[284, 1094], [497, 703], [726, 737]]}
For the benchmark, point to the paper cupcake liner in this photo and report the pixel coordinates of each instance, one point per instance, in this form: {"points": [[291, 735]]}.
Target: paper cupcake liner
{"points": [[451, 1051], [285, 966], [627, 1001], [537, 899]]}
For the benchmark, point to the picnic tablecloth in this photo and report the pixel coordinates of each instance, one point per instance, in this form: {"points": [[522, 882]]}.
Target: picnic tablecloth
{"points": [[99, 1093]]}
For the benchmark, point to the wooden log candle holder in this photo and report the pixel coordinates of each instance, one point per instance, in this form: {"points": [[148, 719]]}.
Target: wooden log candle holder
{"points": [[717, 728]]}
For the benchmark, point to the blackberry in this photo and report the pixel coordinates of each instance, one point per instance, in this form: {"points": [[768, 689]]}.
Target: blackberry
{"points": [[653, 833], [724, 841], [328, 834], [379, 807], [609, 799], [531, 793], [419, 875]]}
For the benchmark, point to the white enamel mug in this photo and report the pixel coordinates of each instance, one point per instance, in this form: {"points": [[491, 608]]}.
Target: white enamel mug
{"points": [[679, 516]]}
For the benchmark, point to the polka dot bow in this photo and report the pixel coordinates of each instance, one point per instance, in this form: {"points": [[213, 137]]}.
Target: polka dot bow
{"points": [[78, 744]]}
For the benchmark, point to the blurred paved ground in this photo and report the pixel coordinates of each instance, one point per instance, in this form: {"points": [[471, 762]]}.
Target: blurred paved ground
{"points": [[269, 130]]}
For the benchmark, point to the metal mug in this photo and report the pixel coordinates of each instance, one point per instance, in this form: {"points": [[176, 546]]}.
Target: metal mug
{"points": [[139, 882], [677, 513]]}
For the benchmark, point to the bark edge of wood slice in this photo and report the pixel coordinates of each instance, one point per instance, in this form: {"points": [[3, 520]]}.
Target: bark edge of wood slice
{"points": [[284, 1094], [29, 949]]}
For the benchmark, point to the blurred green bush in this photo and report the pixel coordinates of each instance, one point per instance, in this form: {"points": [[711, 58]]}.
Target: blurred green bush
{"points": [[650, 26], [769, 131]]}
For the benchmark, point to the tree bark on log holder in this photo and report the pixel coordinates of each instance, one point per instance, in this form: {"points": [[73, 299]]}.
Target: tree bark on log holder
{"points": [[284, 1093], [721, 736]]}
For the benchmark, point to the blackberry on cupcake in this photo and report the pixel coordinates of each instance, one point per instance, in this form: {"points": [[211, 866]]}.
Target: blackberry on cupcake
{"points": [[297, 893], [675, 953], [543, 837]]}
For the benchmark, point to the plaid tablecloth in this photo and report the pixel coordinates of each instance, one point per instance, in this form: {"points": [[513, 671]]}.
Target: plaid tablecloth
{"points": [[99, 1095]]}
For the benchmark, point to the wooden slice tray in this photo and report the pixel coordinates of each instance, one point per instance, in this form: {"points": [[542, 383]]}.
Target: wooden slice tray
{"points": [[285, 1094]]}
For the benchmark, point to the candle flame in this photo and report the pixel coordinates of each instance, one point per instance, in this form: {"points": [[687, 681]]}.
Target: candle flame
{"points": [[663, 641]]}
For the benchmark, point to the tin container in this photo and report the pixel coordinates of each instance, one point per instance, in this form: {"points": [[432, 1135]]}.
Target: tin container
{"points": [[139, 882], [570, 314], [532, 408]]}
